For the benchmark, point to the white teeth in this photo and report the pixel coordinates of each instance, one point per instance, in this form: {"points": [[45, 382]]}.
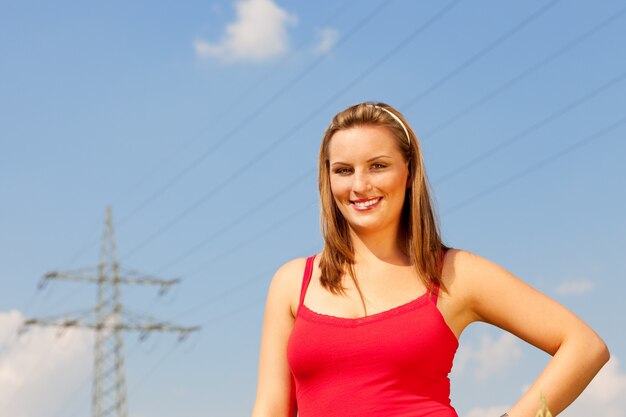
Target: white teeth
{"points": [[363, 204]]}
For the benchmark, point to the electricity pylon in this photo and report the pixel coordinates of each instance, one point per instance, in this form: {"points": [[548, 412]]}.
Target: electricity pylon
{"points": [[109, 319]]}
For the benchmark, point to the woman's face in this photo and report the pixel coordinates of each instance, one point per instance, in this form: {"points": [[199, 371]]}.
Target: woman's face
{"points": [[368, 178]]}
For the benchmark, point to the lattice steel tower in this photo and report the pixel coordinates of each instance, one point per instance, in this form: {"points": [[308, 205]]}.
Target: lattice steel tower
{"points": [[109, 319]]}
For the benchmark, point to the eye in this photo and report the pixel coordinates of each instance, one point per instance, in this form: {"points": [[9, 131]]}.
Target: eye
{"points": [[378, 165], [342, 171]]}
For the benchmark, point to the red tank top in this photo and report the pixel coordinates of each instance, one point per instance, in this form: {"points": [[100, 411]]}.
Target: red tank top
{"points": [[394, 363]]}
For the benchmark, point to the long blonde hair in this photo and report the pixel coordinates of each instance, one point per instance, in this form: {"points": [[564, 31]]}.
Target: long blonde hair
{"points": [[423, 243]]}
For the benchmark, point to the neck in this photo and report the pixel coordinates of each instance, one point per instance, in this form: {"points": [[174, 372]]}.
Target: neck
{"points": [[385, 247]]}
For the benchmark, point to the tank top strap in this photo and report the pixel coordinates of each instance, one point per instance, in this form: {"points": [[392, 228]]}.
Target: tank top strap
{"points": [[306, 279]]}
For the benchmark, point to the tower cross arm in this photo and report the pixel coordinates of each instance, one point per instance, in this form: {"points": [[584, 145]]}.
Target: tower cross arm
{"points": [[159, 327], [61, 323], [80, 277], [132, 327]]}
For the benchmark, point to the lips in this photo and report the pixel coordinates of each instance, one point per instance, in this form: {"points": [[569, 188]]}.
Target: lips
{"points": [[365, 203]]}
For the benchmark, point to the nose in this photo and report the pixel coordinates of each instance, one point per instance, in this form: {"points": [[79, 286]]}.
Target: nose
{"points": [[361, 182]]}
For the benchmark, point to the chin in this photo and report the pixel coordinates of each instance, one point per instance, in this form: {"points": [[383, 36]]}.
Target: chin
{"points": [[368, 228]]}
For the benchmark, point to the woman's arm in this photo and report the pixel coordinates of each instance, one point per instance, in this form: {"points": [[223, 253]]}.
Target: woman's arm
{"points": [[275, 395], [497, 297]]}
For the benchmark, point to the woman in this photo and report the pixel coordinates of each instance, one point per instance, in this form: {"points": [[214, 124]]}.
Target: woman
{"points": [[370, 326]]}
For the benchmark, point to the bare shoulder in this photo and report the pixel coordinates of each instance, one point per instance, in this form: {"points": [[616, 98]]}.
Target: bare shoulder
{"points": [[460, 275], [468, 274], [290, 274], [461, 269], [463, 261], [475, 278], [286, 283], [476, 285], [494, 295]]}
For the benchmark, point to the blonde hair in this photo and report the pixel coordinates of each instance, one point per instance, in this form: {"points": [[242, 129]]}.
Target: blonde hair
{"points": [[423, 243]]}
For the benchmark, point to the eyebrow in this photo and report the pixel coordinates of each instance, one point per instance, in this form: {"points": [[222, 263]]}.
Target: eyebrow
{"points": [[369, 160]]}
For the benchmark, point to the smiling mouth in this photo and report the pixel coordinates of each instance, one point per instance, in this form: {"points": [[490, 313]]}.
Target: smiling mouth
{"points": [[365, 203]]}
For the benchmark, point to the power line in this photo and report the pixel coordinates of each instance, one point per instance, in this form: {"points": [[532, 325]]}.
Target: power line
{"points": [[256, 207], [272, 146], [499, 185], [230, 291], [522, 75], [221, 255], [498, 90], [262, 233], [432, 88], [458, 69], [225, 110], [294, 81], [484, 51], [515, 79], [249, 118], [534, 127], [251, 239], [540, 164], [194, 138], [226, 293]]}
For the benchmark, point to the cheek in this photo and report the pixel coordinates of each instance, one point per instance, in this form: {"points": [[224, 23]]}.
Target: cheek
{"points": [[339, 187], [395, 182]]}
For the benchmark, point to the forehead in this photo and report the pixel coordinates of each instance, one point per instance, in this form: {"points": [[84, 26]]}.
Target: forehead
{"points": [[362, 142]]}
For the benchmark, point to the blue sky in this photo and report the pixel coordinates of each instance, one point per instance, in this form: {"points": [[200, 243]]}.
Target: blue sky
{"points": [[199, 123]]}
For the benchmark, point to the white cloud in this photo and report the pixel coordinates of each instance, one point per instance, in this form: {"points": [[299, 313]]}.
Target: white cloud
{"points": [[258, 33], [491, 357], [40, 371], [326, 39], [575, 287]]}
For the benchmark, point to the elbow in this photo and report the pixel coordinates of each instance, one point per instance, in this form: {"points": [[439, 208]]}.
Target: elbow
{"points": [[598, 350], [589, 347], [604, 353]]}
